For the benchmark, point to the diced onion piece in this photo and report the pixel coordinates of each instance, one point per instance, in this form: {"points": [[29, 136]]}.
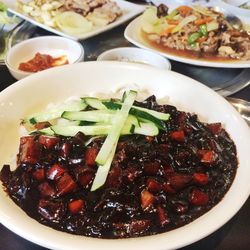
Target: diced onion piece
{"points": [[212, 26], [184, 22], [150, 15], [150, 23], [73, 23], [203, 11], [226, 50]]}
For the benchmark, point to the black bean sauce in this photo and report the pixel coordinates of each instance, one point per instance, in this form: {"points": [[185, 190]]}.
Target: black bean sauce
{"points": [[155, 184]]}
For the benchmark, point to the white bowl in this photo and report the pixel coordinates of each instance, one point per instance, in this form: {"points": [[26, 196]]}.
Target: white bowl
{"points": [[33, 93], [52, 45], [135, 55]]}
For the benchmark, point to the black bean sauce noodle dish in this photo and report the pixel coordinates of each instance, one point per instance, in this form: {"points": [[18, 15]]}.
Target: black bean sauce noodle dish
{"points": [[119, 168]]}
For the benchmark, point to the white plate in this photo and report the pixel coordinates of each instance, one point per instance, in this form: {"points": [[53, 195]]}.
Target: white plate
{"points": [[31, 94], [133, 34], [129, 11]]}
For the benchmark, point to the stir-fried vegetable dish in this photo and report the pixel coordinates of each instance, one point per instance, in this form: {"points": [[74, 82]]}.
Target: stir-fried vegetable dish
{"points": [[199, 31]]}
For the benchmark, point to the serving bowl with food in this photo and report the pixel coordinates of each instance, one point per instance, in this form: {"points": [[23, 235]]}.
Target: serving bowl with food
{"points": [[88, 166], [76, 19], [192, 34], [40, 53]]}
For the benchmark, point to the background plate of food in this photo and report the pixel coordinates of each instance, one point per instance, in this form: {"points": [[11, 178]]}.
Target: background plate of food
{"points": [[75, 19], [191, 34], [46, 196]]}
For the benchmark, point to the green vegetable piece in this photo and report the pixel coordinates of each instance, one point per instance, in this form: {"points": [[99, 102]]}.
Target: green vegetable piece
{"points": [[172, 14], [203, 30], [118, 123], [2, 7], [138, 113], [193, 37]]}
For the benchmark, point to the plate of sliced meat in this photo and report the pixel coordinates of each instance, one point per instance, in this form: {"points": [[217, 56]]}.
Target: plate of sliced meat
{"points": [[75, 19]]}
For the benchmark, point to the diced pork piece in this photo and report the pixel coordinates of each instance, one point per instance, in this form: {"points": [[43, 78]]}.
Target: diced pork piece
{"points": [[147, 199], [55, 172], [48, 142], [30, 150], [76, 206], [51, 210], [66, 149], [132, 228], [168, 188], [200, 178], [198, 197], [178, 136], [163, 217], [46, 189], [179, 181], [215, 128], [90, 156], [152, 168], [86, 178], [39, 174], [153, 185], [207, 156], [65, 184]]}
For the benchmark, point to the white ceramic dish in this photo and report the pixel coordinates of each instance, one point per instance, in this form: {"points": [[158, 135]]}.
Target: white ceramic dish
{"points": [[244, 14], [129, 11], [31, 94], [133, 34], [135, 55], [52, 45]]}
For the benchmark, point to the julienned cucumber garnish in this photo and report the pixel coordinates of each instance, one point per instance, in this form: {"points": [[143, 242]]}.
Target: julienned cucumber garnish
{"points": [[138, 113], [96, 117], [54, 113], [118, 122]]}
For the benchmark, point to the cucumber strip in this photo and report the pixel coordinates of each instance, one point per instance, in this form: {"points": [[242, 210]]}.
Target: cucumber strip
{"points": [[149, 129], [98, 129], [55, 113], [102, 172], [94, 102], [87, 130], [139, 113], [157, 114], [145, 128], [46, 131], [105, 116], [99, 116], [119, 121]]}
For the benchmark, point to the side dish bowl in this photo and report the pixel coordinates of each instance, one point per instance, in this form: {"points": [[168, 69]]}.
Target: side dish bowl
{"points": [[135, 55], [87, 79], [54, 46]]}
